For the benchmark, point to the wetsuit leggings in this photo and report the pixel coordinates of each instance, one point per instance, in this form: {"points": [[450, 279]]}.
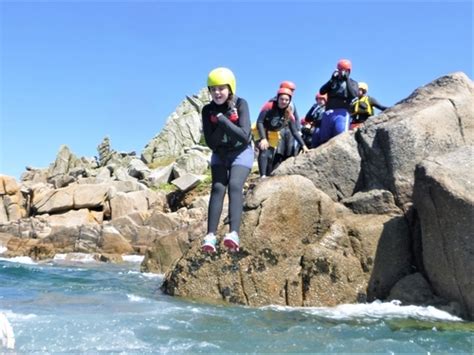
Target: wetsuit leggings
{"points": [[265, 161], [232, 178]]}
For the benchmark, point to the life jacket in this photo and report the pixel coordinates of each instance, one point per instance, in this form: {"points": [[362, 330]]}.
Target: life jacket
{"points": [[362, 106], [233, 116], [273, 137]]}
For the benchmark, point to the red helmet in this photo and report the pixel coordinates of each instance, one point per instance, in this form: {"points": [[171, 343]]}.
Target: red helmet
{"points": [[288, 84], [344, 64], [285, 91], [321, 96]]}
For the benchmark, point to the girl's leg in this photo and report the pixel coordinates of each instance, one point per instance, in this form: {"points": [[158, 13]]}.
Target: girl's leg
{"points": [[263, 160], [238, 175], [219, 184]]}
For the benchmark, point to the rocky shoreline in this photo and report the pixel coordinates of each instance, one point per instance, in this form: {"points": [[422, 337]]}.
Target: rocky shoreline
{"points": [[385, 212]]}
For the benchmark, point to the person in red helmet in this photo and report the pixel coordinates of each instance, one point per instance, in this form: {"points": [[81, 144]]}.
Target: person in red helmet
{"points": [[340, 90], [275, 116], [287, 147], [313, 118]]}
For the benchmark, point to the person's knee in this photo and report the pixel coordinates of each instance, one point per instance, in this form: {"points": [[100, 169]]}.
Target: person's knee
{"points": [[218, 188]]}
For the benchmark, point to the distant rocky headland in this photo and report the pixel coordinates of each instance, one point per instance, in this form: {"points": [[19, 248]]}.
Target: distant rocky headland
{"points": [[384, 212]]}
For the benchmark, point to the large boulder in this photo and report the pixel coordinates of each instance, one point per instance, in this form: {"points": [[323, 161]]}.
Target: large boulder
{"points": [[334, 167], [298, 248], [12, 204], [76, 196], [444, 200], [435, 119]]}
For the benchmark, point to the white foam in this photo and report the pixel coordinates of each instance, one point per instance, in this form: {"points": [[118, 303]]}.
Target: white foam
{"points": [[20, 260], [134, 298], [80, 257], [18, 316], [145, 274], [59, 257], [375, 310], [152, 275], [7, 338], [133, 258]]}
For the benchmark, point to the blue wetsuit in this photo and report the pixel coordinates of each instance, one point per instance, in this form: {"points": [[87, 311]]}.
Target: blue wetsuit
{"points": [[336, 118]]}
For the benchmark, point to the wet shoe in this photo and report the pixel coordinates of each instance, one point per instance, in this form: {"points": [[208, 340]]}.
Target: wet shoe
{"points": [[231, 241], [209, 243]]}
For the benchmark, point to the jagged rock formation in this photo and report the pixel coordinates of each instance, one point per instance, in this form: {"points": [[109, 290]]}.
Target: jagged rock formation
{"points": [[182, 130], [300, 256], [435, 119], [371, 214]]}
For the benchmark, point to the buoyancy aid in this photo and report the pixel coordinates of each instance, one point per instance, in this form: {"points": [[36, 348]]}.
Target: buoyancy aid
{"points": [[362, 106], [273, 137], [233, 116]]}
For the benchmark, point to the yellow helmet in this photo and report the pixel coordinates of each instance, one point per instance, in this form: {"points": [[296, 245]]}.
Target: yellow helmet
{"points": [[222, 76], [364, 86]]}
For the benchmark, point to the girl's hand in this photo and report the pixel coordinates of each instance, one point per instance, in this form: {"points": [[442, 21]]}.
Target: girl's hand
{"points": [[263, 145]]}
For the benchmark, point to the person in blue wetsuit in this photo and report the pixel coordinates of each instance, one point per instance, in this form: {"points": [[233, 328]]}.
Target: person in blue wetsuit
{"points": [[340, 90], [227, 131]]}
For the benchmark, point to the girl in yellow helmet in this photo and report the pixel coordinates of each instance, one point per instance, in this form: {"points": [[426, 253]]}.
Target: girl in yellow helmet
{"points": [[226, 128]]}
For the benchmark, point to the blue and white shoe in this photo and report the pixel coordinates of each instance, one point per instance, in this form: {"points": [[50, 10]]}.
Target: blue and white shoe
{"points": [[231, 241], [209, 243]]}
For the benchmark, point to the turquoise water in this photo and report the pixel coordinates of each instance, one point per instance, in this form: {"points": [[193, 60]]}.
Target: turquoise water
{"points": [[70, 307]]}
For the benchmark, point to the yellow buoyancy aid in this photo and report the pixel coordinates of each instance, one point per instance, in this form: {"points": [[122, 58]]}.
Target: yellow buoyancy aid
{"points": [[362, 106], [273, 137]]}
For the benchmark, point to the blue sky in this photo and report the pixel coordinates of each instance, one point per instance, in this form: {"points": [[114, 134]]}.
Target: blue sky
{"points": [[73, 72]]}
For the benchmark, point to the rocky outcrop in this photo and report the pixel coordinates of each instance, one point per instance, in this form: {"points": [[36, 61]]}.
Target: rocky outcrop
{"points": [[182, 129], [435, 119], [371, 214], [324, 253], [11, 200], [444, 201], [298, 248]]}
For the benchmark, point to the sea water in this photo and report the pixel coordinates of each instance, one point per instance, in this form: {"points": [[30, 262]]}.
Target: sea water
{"points": [[67, 306]]}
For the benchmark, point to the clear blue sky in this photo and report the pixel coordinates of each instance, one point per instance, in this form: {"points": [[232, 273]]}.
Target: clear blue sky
{"points": [[72, 72]]}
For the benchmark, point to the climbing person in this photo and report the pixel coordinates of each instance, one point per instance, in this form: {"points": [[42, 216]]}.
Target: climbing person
{"points": [[340, 90], [275, 116], [313, 118], [363, 106], [226, 128], [287, 146]]}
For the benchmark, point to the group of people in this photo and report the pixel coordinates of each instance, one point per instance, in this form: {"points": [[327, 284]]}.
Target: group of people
{"points": [[341, 104]]}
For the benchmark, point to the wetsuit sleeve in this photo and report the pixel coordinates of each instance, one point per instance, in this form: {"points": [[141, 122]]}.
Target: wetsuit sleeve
{"points": [[352, 88], [261, 118], [213, 134], [375, 103], [240, 131], [297, 118], [294, 132], [309, 116], [325, 88]]}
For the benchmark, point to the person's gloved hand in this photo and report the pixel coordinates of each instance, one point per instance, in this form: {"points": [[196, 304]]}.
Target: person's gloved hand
{"points": [[344, 74], [335, 75], [230, 115]]}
